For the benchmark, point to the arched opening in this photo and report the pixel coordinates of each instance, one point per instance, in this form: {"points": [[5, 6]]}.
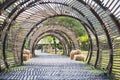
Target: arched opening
{"points": [[50, 44], [20, 19], [74, 34]]}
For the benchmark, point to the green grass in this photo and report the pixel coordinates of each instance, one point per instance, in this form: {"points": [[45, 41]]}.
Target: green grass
{"points": [[58, 52], [0, 54], [9, 54], [15, 68], [92, 68], [85, 53]]}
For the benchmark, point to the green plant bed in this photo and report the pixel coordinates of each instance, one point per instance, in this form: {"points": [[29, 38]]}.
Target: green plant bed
{"points": [[60, 53]]}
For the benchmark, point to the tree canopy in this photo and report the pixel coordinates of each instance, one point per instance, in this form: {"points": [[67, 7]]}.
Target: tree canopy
{"points": [[71, 23]]}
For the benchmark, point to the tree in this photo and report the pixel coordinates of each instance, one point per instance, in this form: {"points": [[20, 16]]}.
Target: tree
{"points": [[68, 22], [73, 25]]}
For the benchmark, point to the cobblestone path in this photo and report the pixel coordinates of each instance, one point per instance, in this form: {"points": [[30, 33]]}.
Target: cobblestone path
{"points": [[52, 67]]}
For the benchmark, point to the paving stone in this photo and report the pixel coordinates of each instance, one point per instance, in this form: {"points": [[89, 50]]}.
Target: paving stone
{"points": [[52, 67]]}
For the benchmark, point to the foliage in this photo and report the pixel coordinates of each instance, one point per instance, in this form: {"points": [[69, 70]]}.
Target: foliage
{"points": [[84, 46], [26, 44], [83, 38], [48, 40], [84, 42], [59, 46], [70, 23], [1, 1]]}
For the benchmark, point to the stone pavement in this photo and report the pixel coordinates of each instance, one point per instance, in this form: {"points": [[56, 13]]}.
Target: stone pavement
{"points": [[52, 67]]}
